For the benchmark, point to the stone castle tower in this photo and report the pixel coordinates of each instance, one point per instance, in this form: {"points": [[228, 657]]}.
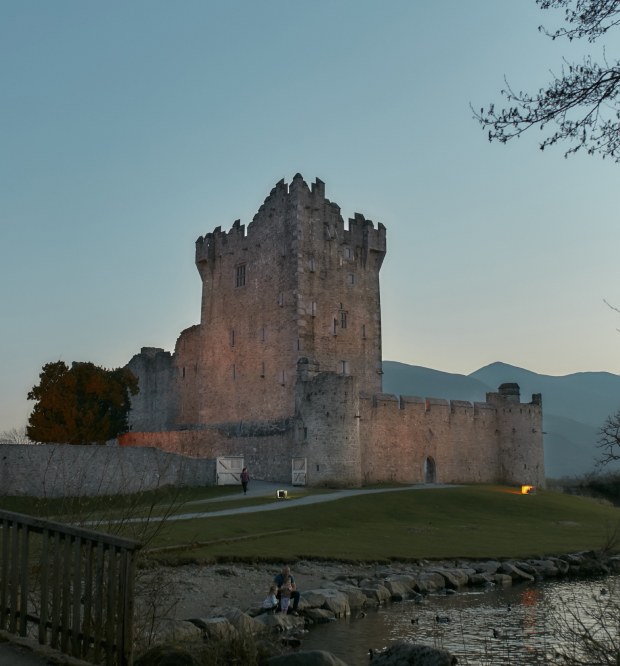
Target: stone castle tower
{"points": [[286, 364], [296, 285]]}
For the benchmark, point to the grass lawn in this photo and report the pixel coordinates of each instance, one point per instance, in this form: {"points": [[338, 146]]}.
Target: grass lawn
{"points": [[468, 521], [463, 521]]}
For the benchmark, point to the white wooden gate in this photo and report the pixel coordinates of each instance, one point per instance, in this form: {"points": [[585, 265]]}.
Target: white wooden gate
{"points": [[299, 470], [227, 470]]}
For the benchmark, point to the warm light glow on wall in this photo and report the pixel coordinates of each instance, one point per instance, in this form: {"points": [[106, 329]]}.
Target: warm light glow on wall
{"points": [[526, 490]]}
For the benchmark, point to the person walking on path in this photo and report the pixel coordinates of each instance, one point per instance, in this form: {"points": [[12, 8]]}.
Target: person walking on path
{"points": [[245, 479]]}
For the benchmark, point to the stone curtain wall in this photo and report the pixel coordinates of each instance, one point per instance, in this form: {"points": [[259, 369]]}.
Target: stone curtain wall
{"points": [[52, 470], [350, 439], [400, 434], [481, 443]]}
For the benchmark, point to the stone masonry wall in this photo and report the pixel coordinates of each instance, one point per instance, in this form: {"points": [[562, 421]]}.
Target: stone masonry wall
{"points": [[153, 407], [248, 328], [187, 380], [265, 447], [353, 439], [338, 311], [61, 470], [466, 443], [521, 446], [328, 405]]}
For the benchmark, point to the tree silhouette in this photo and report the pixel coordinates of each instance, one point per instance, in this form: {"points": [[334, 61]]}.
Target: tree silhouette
{"points": [[609, 439], [82, 404], [582, 102]]}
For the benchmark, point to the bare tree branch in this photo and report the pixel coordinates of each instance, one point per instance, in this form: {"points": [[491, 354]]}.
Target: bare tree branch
{"points": [[583, 101]]}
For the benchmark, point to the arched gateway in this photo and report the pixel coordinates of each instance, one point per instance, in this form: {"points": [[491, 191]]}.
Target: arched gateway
{"points": [[429, 470]]}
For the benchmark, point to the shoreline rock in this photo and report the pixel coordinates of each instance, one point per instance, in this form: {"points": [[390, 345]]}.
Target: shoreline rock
{"points": [[224, 600]]}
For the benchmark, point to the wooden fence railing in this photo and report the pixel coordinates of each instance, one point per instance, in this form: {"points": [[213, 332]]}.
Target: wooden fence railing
{"points": [[67, 587]]}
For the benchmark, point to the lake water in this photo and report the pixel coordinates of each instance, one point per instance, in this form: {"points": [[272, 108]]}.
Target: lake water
{"points": [[524, 617]]}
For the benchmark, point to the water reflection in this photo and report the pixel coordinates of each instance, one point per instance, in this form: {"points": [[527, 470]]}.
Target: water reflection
{"points": [[506, 626]]}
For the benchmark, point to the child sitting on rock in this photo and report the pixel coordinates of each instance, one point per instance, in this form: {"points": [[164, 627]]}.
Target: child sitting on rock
{"points": [[270, 603]]}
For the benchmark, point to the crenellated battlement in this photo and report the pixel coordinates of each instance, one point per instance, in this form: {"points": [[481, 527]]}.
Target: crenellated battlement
{"points": [[286, 203], [217, 242], [496, 402]]}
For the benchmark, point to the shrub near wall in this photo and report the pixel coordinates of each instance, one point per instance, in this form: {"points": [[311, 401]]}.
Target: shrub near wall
{"points": [[60, 470]]}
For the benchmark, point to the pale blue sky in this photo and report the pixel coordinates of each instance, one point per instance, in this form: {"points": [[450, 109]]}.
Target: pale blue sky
{"points": [[128, 129]]}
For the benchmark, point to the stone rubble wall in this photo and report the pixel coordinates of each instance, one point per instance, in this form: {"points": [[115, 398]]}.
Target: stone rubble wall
{"points": [[62, 470]]}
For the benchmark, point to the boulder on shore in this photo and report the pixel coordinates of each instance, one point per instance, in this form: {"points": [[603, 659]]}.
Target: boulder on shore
{"points": [[411, 654], [307, 658]]}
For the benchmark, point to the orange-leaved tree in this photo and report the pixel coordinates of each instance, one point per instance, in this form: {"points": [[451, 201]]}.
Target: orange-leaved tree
{"points": [[81, 404]]}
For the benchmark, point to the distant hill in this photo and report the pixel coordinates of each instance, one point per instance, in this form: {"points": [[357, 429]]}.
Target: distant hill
{"points": [[574, 406]]}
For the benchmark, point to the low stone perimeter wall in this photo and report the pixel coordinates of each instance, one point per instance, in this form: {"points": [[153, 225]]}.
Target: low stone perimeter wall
{"points": [[62, 470]]}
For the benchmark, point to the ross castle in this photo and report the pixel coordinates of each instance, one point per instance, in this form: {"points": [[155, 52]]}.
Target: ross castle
{"points": [[284, 369]]}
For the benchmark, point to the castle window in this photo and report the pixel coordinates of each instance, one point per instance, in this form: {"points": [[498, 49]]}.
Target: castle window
{"points": [[312, 265], [262, 334], [282, 378], [232, 338], [313, 309], [281, 299], [335, 331], [343, 318], [344, 367], [350, 279], [262, 371], [234, 372], [347, 253], [240, 275], [363, 331]]}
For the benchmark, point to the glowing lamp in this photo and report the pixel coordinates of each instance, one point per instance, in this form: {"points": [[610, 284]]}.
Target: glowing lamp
{"points": [[527, 490], [281, 494]]}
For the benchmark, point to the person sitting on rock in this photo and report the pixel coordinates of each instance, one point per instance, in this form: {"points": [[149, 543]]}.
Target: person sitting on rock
{"points": [[286, 589], [294, 595]]}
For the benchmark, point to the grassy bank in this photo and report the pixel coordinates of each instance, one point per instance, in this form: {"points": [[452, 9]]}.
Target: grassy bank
{"points": [[467, 521], [471, 521]]}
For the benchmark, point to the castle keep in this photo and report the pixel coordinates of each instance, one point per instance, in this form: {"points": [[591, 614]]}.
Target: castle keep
{"points": [[284, 369]]}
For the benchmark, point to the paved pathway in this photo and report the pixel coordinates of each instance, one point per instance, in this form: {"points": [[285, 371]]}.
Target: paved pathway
{"points": [[266, 489]]}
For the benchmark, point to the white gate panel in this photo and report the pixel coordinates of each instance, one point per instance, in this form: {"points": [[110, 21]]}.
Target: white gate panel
{"points": [[299, 468], [228, 470]]}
